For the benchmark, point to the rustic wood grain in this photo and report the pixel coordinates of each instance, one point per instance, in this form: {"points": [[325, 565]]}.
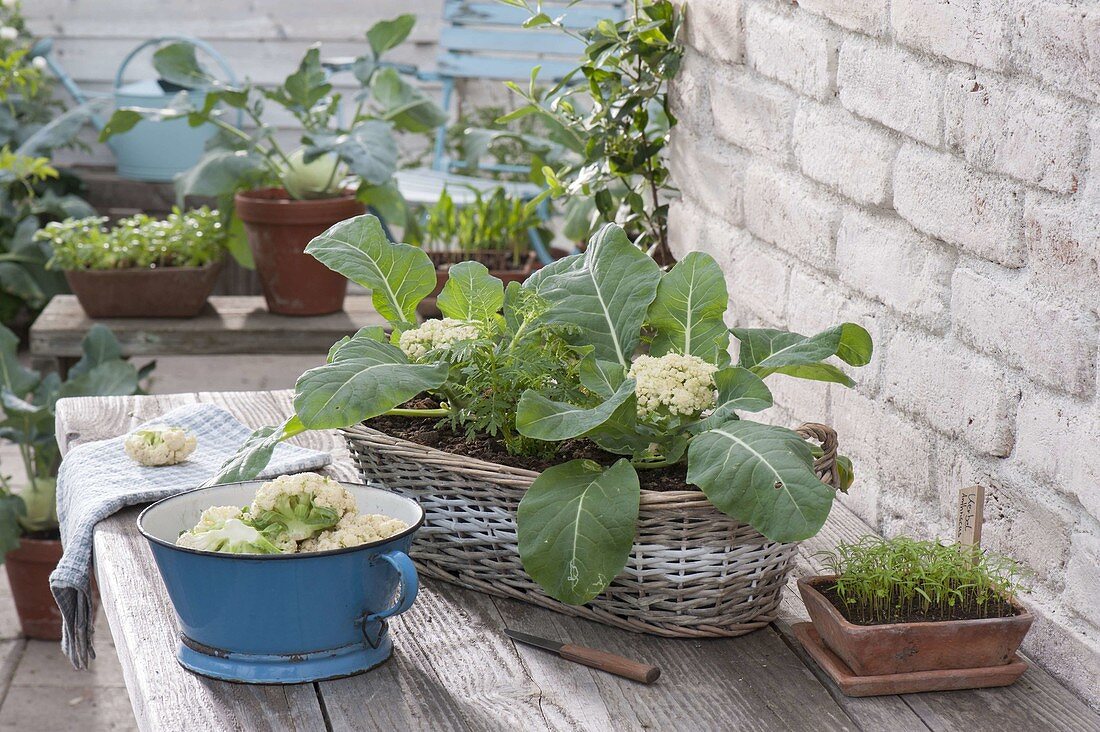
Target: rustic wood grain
{"points": [[453, 669], [228, 325]]}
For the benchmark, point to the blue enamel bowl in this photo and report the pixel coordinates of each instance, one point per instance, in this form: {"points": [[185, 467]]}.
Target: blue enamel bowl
{"points": [[283, 619]]}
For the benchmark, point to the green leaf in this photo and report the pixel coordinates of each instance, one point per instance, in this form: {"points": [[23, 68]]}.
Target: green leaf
{"points": [[545, 419], [177, 63], [255, 453], [13, 375], [370, 332], [218, 173], [766, 351], [605, 293], [406, 106], [387, 34], [688, 310], [471, 293], [369, 150], [114, 378], [739, 390], [365, 379], [576, 526], [399, 276], [600, 377], [308, 84], [15, 279], [123, 120], [59, 132], [99, 346], [386, 200], [12, 509], [761, 475]]}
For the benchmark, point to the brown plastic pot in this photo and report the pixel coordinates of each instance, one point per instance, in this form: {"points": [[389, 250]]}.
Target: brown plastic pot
{"points": [[279, 228], [29, 569], [899, 648], [164, 292]]}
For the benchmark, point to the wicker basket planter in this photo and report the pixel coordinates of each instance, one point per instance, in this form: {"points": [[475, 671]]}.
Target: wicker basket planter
{"points": [[693, 572]]}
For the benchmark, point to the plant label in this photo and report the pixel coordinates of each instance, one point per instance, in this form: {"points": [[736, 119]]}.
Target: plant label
{"points": [[968, 531]]}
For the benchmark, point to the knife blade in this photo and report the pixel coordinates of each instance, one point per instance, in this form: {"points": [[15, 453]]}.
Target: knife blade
{"points": [[602, 660]]}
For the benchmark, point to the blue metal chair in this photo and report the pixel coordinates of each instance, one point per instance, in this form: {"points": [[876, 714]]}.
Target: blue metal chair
{"points": [[486, 40]]}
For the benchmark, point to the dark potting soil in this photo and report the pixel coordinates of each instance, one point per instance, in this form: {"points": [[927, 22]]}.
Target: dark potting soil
{"points": [[50, 535], [433, 433], [991, 610]]}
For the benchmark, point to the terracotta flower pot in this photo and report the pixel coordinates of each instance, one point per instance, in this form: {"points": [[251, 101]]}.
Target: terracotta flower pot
{"points": [[898, 648], [29, 569], [165, 292], [491, 259], [279, 228]]}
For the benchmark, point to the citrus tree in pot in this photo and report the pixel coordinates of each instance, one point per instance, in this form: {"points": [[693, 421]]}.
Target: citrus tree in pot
{"points": [[599, 440], [29, 539], [141, 267], [286, 197]]}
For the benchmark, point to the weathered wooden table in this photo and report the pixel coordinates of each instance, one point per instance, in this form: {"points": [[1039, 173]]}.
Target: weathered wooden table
{"points": [[227, 325], [454, 669]]}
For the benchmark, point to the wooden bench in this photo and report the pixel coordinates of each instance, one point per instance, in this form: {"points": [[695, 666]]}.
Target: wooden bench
{"points": [[228, 325], [453, 669]]}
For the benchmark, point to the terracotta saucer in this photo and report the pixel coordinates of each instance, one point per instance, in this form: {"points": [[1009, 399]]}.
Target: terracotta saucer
{"points": [[910, 683]]}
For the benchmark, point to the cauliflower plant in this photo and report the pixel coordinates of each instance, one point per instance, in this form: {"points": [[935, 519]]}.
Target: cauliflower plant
{"points": [[301, 505], [225, 529], [354, 529], [435, 335], [160, 444], [673, 385]]}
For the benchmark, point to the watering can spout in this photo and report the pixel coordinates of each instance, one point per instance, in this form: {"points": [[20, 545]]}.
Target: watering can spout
{"points": [[41, 47]]}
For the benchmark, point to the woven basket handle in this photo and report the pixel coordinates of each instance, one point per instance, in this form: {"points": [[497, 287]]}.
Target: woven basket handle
{"points": [[824, 466]]}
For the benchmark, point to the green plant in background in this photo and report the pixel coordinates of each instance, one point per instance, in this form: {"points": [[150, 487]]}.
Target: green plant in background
{"points": [[616, 123], [183, 239], [635, 361], [897, 580], [26, 93], [478, 137], [492, 222], [332, 143], [28, 399]]}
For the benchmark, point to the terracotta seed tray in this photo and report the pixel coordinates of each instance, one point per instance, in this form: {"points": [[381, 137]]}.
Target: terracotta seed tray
{"points": [[907, 683]]}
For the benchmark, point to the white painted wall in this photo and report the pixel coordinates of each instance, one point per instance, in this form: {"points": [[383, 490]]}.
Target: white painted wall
{"points": [[932, 171]]}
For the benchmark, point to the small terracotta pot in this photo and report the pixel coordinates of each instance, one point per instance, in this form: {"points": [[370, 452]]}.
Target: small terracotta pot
{"points": [[279, 228], [443, 261], [164, 292], [898, 648], [29, 569]]}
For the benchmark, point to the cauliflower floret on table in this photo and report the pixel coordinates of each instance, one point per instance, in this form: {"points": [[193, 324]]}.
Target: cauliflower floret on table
{"points": [[352, 530], [300, 506], [159, 445], [673, 385], [435, 335]]}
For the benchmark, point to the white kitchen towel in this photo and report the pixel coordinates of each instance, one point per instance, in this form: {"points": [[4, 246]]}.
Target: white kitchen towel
{"points": [[98, 479]]}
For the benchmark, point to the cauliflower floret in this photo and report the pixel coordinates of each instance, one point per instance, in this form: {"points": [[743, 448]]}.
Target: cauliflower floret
{"points": [[352, 530], [160, 444], [673, 385], [435, 335], [300, 506], [231, 536], [215, 516]]}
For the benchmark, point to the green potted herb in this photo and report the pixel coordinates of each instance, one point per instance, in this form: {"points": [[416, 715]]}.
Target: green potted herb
{"points": [[141, 266], [29, 541], [285, 196], [491, 228], [897, 606], [575, 438]]}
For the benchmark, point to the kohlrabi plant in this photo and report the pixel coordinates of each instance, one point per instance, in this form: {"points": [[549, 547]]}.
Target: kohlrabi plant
{"points": [[339, 137], [634, 360]]}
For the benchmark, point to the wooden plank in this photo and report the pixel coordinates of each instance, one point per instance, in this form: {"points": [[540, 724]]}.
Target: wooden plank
{"points": [[575, 16], [229, 325], [1036, 702], [468, 66], [527, 42]]}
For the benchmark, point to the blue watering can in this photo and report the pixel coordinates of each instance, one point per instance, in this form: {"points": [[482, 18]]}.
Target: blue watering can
{"points": [[283, 618], [153, 150]]}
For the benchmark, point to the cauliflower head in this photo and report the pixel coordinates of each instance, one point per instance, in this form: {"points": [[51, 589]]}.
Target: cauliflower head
{"points": [[221, 529], [352, 530], [299, 506], [435, 335], [160, 444], [673, 386]]}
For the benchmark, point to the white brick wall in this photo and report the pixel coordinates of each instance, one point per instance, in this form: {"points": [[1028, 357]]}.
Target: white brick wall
{"points": [[932, 171]]}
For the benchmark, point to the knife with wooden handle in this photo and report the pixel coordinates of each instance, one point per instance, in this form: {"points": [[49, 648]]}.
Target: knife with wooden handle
{"points": [[602, 660]]}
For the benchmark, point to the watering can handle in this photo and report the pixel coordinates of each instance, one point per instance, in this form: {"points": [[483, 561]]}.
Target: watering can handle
{"points": [[196, 42], [409, 585]]}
